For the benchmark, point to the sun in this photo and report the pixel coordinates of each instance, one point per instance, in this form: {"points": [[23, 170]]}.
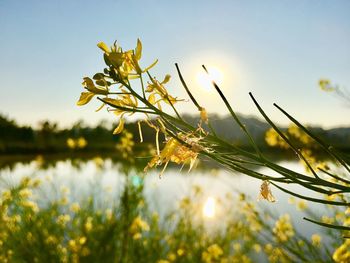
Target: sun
{"points": [[204, 80]]}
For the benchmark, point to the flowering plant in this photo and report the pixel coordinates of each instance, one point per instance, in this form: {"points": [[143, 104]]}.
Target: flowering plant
{"points": [[185, 142]]}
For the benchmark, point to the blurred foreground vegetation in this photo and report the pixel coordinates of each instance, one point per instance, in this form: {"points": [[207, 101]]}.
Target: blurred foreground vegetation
{"points": [[127, 230]]}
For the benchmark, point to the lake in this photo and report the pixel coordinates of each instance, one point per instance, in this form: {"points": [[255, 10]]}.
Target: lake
{"points": [[102, 179]]}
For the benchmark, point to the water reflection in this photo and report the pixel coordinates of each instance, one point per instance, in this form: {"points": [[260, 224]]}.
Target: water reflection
{"points": [[77, 179]]}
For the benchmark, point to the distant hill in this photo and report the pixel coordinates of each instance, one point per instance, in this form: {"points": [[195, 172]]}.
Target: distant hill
{"points": [[48, 138]]}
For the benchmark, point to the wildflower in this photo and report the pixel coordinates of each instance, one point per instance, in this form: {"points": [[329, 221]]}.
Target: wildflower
{"points": [[6, 195], [125, 64], [172, 257], [81, 142], [63, 219], [272, 138], [109, 214], [51, 240], [316, 240], [327, 220], [213, 252], [265, 192], [291, 200], [301, 205], [31, 205], [65, 190], [30, 237], [300, 135], [237, 246], [73, 246], [157, 88], [82, 240], [88, 224], [325, 85], [342, 253], [75, 207], [257, 248], [137, 236], [180, 252], [174, 151], [283, 229], [139, 224], [25, 193], [70, 143]]}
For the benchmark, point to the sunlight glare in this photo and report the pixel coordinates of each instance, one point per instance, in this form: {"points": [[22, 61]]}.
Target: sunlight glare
{"points": [[209, 207], [204, 80]]}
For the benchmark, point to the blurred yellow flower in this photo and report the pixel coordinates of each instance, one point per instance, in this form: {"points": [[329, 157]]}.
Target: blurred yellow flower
{"points": [[257, 248], [273, 139], [63, 219], [75, 207], [342, 253], [301, 205], [316, 240], [180, 252], [71, 143], [88, 224], [283, 229], [213, 253]]}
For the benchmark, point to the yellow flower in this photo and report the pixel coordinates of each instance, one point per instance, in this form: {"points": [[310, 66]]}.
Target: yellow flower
{"points": [[71, 143], [301, 205], [82, 240], [63, 219], [316, 240], [31, 205], [283, 229], [257, 248], [273, 139], [75, 207], [25, 193], [325, 85], [157, 88], [213, 252], [139, 224], [174, 151], [327, 220], [237, 246], [180, 252], [172, 257], [342, 253], [88, 224], [72, 244], [81, 142]]}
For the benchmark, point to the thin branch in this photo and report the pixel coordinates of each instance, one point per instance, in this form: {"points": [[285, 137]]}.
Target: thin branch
{"points": [[282, 135]]}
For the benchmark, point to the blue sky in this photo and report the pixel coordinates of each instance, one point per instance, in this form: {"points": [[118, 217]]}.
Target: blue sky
{"points": [[276, 49]]}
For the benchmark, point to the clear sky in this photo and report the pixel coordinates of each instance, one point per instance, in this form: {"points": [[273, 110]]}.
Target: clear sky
{"points": [[276, 49]]}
